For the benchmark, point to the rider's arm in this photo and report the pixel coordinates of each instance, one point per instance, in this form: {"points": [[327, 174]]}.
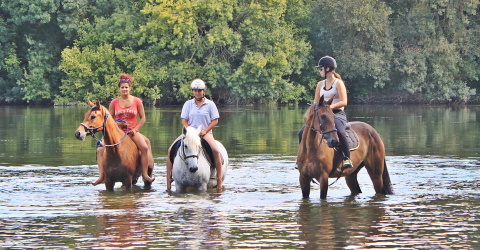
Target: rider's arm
{"points": [[141, 114], [210, 127], [317, 92], [342, 95], [185, 122]]}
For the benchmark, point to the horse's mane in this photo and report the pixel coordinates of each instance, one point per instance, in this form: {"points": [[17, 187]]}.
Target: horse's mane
{"points": [[193, 139]]}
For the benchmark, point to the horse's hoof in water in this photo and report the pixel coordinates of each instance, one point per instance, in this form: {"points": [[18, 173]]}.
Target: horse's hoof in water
{"points": [[147, 186]]}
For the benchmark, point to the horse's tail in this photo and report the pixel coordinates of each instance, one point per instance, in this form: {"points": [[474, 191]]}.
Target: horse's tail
{"points": [[387, 185]]}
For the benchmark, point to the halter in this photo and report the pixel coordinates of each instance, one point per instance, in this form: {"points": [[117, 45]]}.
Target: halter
{"points": [[185, 157], [323, 133], [103, 126]]}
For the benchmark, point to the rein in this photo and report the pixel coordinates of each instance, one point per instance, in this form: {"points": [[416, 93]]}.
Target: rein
{"points": [[104, 125], [323, 133], [319, 125]]}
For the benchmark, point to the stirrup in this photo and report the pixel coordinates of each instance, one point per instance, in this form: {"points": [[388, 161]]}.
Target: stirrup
{"points": [[347, 163]]}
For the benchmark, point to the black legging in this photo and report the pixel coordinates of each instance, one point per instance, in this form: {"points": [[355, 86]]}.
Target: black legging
{"points": [[340, 124]]}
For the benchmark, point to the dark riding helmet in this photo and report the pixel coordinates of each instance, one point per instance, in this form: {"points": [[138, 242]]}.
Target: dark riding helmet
{"points": [[327, 61]]}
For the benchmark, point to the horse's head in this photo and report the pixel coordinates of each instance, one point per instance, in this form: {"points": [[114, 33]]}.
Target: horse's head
{"points": [[322, 120], [191, 147], [94, 120]]}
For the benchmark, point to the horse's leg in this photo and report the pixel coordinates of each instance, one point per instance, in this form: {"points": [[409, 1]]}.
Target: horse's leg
{"points": [[387, 185], [101, 168], [150, 172], [352, 181], [109, 184], [203, 187], [323, 185], [179, 187], [128, 183], [305, 185], [375, 168]]}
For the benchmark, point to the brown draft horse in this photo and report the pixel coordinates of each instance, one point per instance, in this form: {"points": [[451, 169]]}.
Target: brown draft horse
{"points": [[121, 159], [317, 159]]}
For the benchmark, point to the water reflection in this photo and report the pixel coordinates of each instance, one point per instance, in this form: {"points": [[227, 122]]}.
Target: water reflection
{"points": [[46, 200], [205, 230], [339, 225], [44, 135], [119, 226]]}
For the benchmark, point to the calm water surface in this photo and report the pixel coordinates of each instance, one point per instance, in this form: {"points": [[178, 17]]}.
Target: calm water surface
{"points": [[46, 200]]}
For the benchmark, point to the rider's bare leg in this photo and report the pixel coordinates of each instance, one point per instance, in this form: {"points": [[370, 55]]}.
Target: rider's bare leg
{"points": [[101, 170]]}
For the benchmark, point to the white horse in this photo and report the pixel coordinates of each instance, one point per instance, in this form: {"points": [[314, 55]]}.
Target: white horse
{"points": [[191, 167]]}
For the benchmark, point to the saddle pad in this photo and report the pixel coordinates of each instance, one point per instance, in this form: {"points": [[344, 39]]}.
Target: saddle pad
{"points": [[352, 138], [207, 151]]}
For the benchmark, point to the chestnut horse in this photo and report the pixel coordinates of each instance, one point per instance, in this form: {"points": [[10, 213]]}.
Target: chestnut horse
{"points": [[121, 159], [317, 158]]}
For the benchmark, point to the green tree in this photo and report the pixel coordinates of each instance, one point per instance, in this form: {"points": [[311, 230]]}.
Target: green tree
{"points": [[10, 69], [106, 47], [244, 50], [38, 30], [358, 35], [437, 47]]}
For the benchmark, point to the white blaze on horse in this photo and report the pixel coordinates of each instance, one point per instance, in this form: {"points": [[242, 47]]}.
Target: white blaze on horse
{"points": [[192, 167]]}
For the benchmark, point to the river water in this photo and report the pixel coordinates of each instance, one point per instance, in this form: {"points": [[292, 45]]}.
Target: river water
{"points": [[46, 201]]}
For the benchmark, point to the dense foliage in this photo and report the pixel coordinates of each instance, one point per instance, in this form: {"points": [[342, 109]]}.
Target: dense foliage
{"points": [[65, 51]]}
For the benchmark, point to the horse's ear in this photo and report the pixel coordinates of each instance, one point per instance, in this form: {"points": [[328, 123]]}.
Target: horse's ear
{"points": [[330, 101], [199, 129], [322, 98], [90, 103], [98, 104]]}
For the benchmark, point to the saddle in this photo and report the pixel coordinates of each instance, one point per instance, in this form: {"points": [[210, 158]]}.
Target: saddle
{"points": [[207, 151], [352, 138]]}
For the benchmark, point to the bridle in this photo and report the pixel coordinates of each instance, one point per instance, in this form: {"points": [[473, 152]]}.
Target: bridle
{"points": [[103, 126], [323, 133], [317, 117], [183, 155]]}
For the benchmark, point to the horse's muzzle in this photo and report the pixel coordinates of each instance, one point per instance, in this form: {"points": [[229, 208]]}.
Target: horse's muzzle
{"points": [[332, 142], [79, 135], [193, 169]]}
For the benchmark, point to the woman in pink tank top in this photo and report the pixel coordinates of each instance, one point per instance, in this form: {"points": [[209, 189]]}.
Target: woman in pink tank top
{"points": [[126, 109]]}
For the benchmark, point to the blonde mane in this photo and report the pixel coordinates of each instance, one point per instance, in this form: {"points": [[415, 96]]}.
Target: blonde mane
{"points": [[193, 138]]}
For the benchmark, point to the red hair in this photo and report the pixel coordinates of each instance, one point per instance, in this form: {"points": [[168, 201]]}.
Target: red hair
{"points": [[124, 77]]}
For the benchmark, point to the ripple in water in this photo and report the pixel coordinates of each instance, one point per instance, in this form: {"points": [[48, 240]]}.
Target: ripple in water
{"points": [[435, 205]]}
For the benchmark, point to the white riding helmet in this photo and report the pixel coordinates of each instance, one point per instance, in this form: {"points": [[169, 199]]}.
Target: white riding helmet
{"points": [[197, 84]]}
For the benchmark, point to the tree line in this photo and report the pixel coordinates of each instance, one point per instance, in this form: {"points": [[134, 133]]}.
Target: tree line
{"points": [[247, 51]]}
